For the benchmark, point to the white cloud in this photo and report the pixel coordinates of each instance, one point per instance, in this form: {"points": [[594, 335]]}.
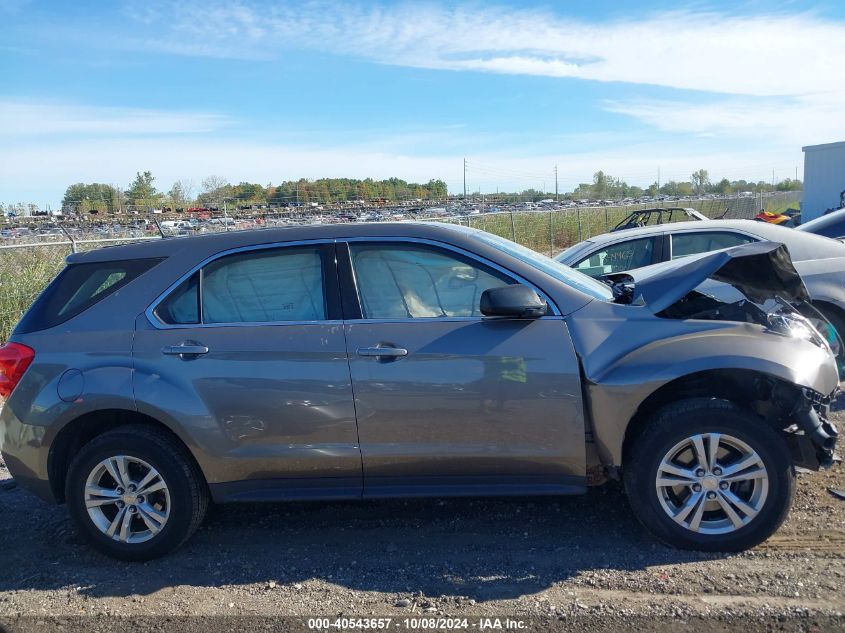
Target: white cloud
{"points": [[801, 120], [774, 80], [26, 118], [757, 55]]}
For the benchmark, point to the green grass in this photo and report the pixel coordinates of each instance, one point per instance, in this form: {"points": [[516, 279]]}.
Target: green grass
{"points": [[24, 272], [780, 208]]}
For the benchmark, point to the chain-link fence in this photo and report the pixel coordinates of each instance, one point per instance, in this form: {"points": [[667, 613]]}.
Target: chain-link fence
{"points": [[551, 231], [25, 269]]}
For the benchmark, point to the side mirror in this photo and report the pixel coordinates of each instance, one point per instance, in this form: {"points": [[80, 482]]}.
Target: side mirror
{"points": [[512, 301]]}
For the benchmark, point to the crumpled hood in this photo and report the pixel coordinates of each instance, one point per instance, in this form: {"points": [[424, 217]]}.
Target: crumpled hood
{"points": [[759, 270]]}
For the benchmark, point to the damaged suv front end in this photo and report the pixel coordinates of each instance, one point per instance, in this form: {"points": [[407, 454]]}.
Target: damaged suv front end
{"points": [[754, 345]]}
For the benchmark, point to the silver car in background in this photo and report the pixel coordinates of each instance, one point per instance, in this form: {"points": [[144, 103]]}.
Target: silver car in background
{"points": [[399, 360], [819, 260]]}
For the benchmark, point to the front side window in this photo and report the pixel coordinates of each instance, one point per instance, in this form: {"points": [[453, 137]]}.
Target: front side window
{"points": [[399, 281], [692, 243], [619, 257], [262, 286]]}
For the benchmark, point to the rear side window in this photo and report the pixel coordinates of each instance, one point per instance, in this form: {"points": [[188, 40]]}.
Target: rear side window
{"points": [[263, 286], [694, 242], [79, 287]]}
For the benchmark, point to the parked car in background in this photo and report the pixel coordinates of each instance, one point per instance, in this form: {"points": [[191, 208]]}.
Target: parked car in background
{"points": [[819, 260], [831, 225], [790, 217], [353, 361], [658, 215]]}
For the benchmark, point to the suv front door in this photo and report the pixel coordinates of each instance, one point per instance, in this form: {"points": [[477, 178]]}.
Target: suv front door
{"points": [[447, 401]]}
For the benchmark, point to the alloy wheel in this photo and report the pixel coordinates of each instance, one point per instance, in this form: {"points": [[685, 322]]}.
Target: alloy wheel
{"points": [[127, 499], [712, 483]]}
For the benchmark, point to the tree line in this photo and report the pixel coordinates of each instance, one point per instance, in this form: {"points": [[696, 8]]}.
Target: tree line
{"points": [[605, 186], [214, 190]]}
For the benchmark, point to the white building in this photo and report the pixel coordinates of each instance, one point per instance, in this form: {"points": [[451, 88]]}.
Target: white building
{"points": [[824, 178]]}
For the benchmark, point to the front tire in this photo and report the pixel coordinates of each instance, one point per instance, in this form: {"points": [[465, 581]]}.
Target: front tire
{"points": [[135, 494], [708, 475]]}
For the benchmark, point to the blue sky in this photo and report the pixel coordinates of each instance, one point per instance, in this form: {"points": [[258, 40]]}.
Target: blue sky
{"points": [[268, 91]]}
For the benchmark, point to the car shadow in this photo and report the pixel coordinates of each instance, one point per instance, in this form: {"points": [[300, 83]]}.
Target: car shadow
{"points": [[483, 549]]}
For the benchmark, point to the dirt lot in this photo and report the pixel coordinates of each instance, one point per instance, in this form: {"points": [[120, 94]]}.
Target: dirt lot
{"points": [[579, 563]]}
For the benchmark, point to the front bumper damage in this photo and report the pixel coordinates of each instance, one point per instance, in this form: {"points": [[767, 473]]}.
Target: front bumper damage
{"points": [[810, 412]]}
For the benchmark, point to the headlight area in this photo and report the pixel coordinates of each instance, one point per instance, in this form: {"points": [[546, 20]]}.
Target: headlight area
{"points": [[795, 325]]}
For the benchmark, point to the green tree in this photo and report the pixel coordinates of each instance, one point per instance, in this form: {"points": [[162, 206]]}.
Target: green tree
{"points": [[329, 190], [674, 188], [600, 183], [142, 191], [789, 184], [700, 181], [181, 193], [84, 198], [249, 192], [214, 189]]}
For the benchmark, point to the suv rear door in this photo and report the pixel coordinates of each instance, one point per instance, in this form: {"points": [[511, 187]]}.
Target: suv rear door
{"points": [[246, 356]]}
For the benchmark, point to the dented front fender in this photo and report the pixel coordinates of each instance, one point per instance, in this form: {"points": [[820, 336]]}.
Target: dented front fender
{"points": [[628, 353]]}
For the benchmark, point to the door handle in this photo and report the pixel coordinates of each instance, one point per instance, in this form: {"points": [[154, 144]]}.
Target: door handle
{"points": [[185, 349], [382, 352]]}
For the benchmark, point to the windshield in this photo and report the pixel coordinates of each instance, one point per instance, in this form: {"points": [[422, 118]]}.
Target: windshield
{"points": [[572, 250], [559, 271]]}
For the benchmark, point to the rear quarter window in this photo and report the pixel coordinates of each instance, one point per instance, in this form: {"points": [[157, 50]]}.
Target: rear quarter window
{"points": [[79, 287]]}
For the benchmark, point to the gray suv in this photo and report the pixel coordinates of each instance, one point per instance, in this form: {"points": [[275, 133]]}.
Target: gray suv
{"points": [[400, 360]]}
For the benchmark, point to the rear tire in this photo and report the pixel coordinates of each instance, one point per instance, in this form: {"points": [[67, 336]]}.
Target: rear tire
{"points": [[690, 499], [135, 494]]}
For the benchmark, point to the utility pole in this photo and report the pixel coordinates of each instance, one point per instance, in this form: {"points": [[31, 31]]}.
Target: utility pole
{"points": [[465, 178], [556, 197], [658, 180]]}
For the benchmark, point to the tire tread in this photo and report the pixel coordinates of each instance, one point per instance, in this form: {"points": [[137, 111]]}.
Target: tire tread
{"points": [[179, 456], [669, 420]]}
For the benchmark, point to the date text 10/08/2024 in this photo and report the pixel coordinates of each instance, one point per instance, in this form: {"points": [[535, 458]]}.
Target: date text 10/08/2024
{"points": [[416, 623]]}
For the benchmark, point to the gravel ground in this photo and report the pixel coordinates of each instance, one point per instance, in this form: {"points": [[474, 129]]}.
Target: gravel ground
{"points": [[573, 563]]}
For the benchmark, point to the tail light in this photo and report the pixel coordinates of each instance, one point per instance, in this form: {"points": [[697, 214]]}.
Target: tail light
{"points": [[14, 361]]}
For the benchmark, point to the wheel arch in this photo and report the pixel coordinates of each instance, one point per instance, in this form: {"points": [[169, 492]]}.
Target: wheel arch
{"points": [[740, 386], [829, 307], [84, 428]]}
